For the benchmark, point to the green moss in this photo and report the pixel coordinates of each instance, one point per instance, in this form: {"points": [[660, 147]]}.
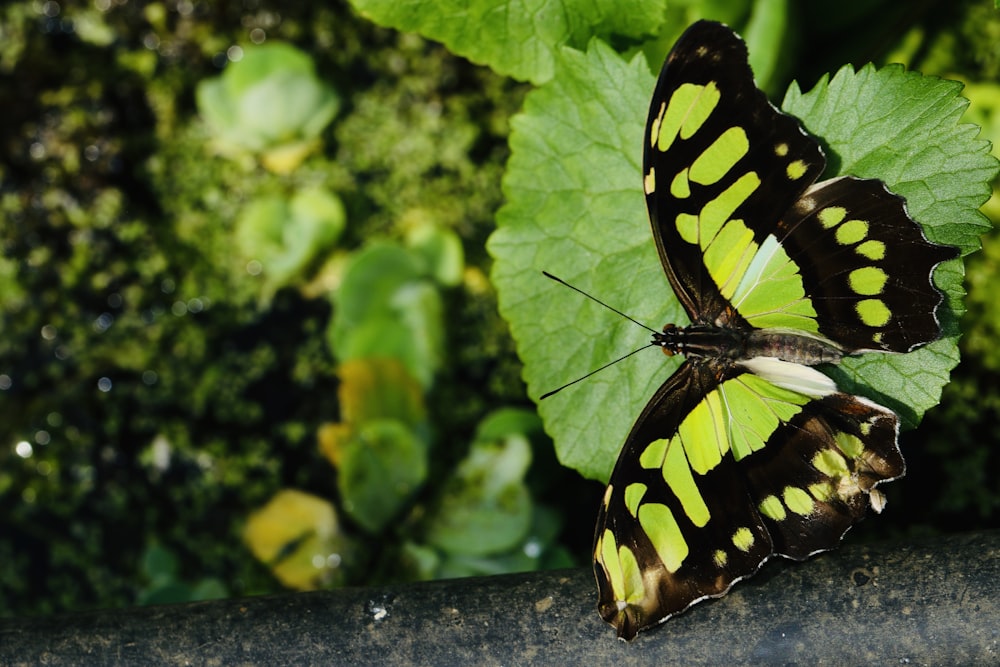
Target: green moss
{"points": [[119, 268]]}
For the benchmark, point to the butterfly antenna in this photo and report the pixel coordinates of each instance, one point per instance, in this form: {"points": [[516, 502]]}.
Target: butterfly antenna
{"points": [[596, 370], [611, 308]]}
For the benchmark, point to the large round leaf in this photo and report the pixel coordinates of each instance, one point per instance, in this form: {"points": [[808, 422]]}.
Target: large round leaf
{"points": [[575, 208]]}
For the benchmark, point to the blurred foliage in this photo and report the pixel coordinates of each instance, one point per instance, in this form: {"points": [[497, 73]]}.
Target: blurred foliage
{"points": [[269, 103], [484, 520], [165, 367], [284, 237], [160, 567], [381, 448], [243, 284], [387, 307]]}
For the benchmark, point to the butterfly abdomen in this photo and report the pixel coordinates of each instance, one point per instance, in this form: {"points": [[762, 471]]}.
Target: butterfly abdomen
{"points": [[795, 348], [706, 341]]}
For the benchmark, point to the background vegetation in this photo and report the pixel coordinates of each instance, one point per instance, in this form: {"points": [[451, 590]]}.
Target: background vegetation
{"points": [[249, 334]]}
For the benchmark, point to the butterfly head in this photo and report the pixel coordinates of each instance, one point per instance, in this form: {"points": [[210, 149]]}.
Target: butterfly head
{"points": [[669, 340], [702, 341]]}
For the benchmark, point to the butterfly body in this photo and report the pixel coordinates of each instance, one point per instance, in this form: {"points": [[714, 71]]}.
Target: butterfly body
{"points": [[715, 344], [748, 451]]}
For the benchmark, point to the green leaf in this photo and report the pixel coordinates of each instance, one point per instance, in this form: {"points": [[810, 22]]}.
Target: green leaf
{"points": [[380, 447], [169, 593], [516, 38], [372, 389], [270, 102], [506, 422], [441, 251], [462, 565], [575, 207], [287, 236], [380, 468], [209, 588], [385, 307], [159, 565], [485, 508], [537, 550]]}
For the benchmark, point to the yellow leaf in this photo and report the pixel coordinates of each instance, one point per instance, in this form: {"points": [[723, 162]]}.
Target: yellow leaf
{"points": [[297, 535]]}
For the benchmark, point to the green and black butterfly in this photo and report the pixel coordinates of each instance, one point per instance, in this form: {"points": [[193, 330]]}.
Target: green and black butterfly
{"points": [[747, 452]]}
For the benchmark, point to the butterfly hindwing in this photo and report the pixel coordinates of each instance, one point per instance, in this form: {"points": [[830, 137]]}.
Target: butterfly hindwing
{"points": [[816, 476], [866, 266]]}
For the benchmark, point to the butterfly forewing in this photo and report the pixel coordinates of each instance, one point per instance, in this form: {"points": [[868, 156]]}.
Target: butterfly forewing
{"points": [[716, 155]]}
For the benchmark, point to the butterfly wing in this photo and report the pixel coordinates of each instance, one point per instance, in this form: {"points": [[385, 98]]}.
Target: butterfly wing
{"points": [[717, 154], [865, 264], [724, 469], [746, 236]]}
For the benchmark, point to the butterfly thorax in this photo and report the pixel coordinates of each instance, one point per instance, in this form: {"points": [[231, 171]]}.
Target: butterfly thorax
{"points": [[711, 342]]}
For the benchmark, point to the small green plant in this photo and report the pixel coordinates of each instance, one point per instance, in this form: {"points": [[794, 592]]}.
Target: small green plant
{"points": [[270, 105], [388, 305], [388, 331], [285, 239], [485, 509], [381, 446]]}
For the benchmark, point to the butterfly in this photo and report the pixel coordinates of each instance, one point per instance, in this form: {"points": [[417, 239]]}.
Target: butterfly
{"points": [[748, 451]]}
